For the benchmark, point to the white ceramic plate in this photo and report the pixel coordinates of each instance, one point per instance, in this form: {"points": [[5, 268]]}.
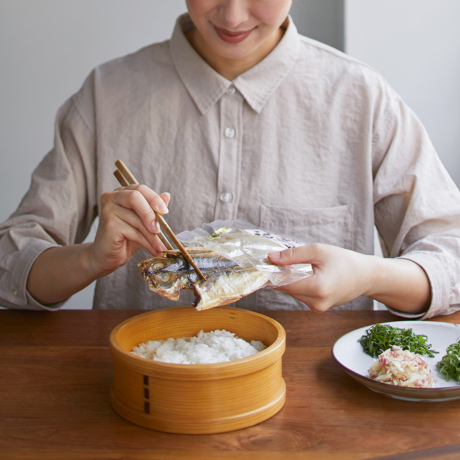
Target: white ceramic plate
{"points": [[349, 354]]}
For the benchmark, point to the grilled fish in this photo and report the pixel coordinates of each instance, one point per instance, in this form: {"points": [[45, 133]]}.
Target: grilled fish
{"points": [[226, 282]]}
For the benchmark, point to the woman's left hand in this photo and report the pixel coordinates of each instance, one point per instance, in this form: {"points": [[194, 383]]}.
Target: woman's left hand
{"points": [[341, 275]]}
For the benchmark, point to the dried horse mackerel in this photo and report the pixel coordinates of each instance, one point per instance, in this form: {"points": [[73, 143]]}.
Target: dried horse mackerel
{"points": [[226, 282]]}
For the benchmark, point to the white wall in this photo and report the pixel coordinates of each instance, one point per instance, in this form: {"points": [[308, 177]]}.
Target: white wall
{"points": [[321, 20], [415, 44]]}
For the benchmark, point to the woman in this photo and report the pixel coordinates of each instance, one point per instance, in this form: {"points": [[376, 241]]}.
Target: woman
{"points": [[239, 117]]}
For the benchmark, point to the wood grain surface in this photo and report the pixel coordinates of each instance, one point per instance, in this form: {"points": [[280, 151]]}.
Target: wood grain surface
{"points": [[56, 373]]}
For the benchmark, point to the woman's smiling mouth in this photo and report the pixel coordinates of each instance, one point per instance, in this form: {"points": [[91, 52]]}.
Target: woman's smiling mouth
{"points": [[232, 37]]}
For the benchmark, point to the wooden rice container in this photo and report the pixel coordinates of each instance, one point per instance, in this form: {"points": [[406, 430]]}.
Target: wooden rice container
{"points": [[197, 398]]}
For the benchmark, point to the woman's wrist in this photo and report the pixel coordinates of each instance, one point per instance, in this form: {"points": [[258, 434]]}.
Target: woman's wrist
{"points": [[61, 271], [399, 283]]}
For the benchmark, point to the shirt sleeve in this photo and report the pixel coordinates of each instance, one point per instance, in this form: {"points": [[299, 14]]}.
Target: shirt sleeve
{"points": [[417, 204], [58, 209]]}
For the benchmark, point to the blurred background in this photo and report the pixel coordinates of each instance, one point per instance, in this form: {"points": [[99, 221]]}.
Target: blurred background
{"points": [[48, 47]]}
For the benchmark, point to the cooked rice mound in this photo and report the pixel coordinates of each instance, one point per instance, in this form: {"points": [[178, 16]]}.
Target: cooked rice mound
{"points": [[205, 348], [402, 368]]}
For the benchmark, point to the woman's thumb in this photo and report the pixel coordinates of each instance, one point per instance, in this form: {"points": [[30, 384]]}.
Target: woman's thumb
{"points": [[285, 257]]}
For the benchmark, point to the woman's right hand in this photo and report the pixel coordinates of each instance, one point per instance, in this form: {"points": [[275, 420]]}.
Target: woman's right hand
{"points": [[127, 223]]}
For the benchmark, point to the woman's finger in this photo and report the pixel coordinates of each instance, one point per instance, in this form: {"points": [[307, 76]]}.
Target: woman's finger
{"points": [[129, 217], [143, 201], [135, 239], [114, 216], [301, 254]]}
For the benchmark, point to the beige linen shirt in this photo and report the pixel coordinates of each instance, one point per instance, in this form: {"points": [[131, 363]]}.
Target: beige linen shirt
{"points": [[309, 143]]}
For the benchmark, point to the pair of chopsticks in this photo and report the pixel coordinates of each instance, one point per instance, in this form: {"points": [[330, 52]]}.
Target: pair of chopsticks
{"points": [[125, 177]]}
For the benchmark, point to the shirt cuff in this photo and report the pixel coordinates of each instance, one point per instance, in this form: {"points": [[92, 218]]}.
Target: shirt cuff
{"points": [[17, 295], [439, 279]]}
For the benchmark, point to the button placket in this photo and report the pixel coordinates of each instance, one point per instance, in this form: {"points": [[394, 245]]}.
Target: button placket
{"points": [[229, 156]]}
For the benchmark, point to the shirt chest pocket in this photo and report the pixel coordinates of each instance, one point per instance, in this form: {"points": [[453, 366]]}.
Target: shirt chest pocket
{"points": [[331, 225]]}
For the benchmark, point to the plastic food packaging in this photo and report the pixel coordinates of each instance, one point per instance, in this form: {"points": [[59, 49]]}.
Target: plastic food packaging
{"points": [[249, 247]]}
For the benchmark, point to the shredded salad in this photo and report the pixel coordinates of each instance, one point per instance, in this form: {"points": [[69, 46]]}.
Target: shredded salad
{"points": [[396, 366]]}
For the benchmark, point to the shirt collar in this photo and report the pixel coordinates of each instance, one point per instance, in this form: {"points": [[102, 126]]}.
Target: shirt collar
{"points": [[206, 86]]}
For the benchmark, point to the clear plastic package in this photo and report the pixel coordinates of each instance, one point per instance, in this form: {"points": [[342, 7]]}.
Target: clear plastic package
{"points": [[249, 247]]}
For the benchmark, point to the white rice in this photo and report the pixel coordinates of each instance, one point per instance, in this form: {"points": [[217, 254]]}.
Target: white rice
{"points": [[205, 348]]}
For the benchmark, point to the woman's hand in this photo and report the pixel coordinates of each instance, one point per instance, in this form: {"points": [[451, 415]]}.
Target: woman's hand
{"points": [[127, 223], [341, 275]]}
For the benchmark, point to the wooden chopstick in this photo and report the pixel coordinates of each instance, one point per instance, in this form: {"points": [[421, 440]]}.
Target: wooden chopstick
{"points": [[120, 178], [125, 177]]}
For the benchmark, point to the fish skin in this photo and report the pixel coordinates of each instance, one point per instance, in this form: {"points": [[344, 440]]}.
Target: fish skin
{"points": [[226, 282]]}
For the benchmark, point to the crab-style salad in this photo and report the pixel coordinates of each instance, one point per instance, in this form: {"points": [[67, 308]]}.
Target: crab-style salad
{"points": [[396, 366]]}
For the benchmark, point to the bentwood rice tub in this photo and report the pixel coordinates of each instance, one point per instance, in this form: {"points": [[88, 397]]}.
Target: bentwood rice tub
{"points": [[197, 398]]}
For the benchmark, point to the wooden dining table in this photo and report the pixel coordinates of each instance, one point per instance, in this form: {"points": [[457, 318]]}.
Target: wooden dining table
{"points": [[56, 373]]}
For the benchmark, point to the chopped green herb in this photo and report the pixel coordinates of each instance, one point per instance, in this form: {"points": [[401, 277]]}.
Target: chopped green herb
{"points": [[380, 337], [449, 366]]}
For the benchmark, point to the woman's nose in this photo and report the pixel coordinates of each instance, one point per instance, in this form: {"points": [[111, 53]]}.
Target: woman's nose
{"points": [[234, 13]]}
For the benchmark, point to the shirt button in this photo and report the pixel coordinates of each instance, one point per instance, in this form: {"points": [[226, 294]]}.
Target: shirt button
{"points": [[230, 132], [231, 90], [225, 197]]}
